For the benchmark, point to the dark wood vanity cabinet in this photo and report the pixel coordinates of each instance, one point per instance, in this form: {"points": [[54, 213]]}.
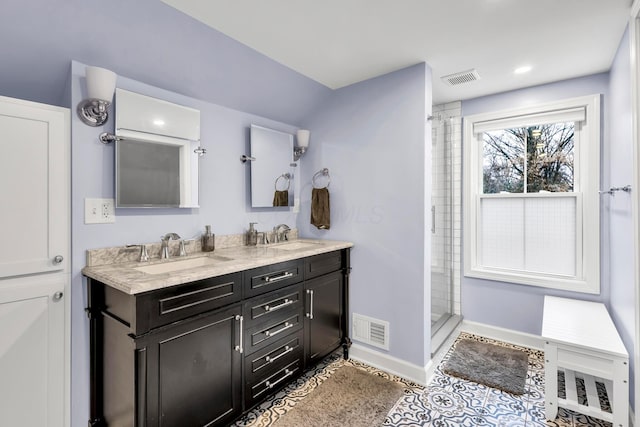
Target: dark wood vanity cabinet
{"points": [[202, 353]]}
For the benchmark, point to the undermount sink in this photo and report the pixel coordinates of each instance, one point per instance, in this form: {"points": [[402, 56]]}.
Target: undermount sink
{"points": [[172, 266], [294, 246]]}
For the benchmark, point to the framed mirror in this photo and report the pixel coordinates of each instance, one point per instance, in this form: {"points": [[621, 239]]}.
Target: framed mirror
{"points": [[157, 153], [271, 170]]}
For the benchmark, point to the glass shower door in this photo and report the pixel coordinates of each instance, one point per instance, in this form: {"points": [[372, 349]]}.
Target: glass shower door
{"points": [[441, 225]]}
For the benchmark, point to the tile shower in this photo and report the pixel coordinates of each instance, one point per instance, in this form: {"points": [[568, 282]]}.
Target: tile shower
{"points": [[446, 216]]}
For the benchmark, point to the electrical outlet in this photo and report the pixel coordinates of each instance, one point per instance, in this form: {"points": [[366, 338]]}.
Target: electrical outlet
{"points": [[108, 211], [99, 211]]}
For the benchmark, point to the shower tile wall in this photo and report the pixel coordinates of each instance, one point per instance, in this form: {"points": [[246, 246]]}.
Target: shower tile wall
{"points": [[442, 274]]}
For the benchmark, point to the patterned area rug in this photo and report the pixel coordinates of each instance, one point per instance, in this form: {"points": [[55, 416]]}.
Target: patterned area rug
{"points": [[275, 408], [350, 397], [489, 364]]}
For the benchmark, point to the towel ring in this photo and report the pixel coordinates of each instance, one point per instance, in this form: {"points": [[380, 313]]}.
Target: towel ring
{"points": [[321, 172], [286, 176]]}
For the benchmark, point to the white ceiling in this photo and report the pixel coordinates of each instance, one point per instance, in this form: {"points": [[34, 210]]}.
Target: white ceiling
{"points": [[340, 42]]}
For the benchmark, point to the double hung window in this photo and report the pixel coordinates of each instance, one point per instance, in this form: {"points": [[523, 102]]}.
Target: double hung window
{"points": [[531, 210]]}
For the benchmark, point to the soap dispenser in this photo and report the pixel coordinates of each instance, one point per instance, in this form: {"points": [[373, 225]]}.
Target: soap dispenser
{"points": [[252, 235], [208, 240]]}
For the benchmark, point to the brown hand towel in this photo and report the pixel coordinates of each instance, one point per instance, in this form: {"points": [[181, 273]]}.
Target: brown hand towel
{"points": [[281, 198], [320, 213]]}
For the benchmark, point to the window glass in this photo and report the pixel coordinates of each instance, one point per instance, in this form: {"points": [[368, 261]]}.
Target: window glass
{"points": [[531, 203], [549, 159]]}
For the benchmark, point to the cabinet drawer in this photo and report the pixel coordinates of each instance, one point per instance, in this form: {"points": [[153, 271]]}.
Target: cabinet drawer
{"points": [[256, 392], [180, 302], [263, 363], [318, 265], [266, 307], [263, 334], [264, 279]]}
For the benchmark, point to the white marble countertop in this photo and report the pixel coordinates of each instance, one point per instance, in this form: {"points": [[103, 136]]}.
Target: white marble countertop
{"points": [[128, 278]]}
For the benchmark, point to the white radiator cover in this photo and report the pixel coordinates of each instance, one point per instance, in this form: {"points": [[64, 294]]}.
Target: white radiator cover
{"points": [[370, 331]]}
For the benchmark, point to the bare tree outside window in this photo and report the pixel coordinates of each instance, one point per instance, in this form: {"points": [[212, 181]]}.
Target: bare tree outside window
{"points": [[549, 159]]}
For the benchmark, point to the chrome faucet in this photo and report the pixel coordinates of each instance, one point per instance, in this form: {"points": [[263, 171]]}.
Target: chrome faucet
{"points": [[165, 244], [144, 255], [279, 235]]}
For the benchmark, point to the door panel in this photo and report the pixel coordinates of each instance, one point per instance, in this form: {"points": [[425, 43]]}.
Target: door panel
{"points": [[32, 354], [34, 188], [195, 359], [324, 320]]}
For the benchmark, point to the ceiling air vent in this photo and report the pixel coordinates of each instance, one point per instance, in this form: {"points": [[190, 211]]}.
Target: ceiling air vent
{"points": [[461, 77], [370, 331]]}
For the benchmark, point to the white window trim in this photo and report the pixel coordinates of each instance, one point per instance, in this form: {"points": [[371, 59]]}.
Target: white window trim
{"points": [[587, 173]]}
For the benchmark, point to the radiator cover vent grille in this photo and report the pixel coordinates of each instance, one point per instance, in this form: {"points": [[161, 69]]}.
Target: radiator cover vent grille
{"points": [[370, 331], [461, 77]]}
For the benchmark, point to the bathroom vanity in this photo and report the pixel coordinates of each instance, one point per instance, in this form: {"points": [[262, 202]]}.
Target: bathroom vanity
{"points": [[199, 340]]}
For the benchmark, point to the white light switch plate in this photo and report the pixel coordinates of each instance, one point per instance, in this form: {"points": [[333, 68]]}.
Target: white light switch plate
{"points": [[99, 211]]}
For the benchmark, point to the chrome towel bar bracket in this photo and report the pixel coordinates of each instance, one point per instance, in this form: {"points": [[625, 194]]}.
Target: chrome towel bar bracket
{"points": [[286, 178], [613, 190], [321, 173]]}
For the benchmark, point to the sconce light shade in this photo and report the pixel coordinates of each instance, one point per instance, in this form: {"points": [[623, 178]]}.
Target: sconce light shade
{"points": [[101, 84], [303, 143], [303, 138]]}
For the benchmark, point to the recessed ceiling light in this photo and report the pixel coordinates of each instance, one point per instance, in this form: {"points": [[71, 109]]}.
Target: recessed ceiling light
{"points": [[158, 122], [522, 70]]}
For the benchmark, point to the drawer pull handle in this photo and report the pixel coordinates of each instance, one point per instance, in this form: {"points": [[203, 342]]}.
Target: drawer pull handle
{"points": [[239, 348], [310, 313], [286, 302], [287, 373], [287, 350], [283, 276], [287, 325]]}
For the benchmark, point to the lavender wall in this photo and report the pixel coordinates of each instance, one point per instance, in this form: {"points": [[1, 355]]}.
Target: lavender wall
{"points": [[148, 41], [371, 136], [619, 208], [153, 43], [224, 190], [519, 307]]}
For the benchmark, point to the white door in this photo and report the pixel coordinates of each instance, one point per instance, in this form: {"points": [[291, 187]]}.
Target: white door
{"points": [[32, 364], [34, 263], [34, 189]]}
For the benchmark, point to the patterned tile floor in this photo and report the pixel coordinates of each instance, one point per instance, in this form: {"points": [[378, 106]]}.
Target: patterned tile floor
{"points": [[445, 402]]}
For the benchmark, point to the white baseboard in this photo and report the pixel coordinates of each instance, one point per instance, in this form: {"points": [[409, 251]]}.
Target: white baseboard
{"points": [[507, 335], [390, 364]]}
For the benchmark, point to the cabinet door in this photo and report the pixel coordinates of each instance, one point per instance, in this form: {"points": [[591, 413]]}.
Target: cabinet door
{"points": [[323, 317], [194, 372], [34, 188], [32, 347]]}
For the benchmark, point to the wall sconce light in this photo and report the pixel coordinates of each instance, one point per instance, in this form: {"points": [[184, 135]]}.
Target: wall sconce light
{"points": [[303, 143], [101, 84]]}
